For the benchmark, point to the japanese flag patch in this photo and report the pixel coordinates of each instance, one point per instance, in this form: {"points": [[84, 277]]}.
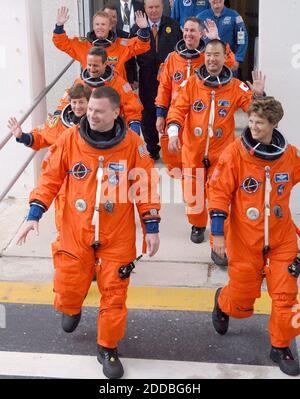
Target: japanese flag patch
{"points": [[244, 87]]}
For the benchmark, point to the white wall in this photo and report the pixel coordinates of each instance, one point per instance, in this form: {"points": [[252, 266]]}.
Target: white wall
{"points": [[55, 60], [21, 79], [279, 58], [28, 62]]}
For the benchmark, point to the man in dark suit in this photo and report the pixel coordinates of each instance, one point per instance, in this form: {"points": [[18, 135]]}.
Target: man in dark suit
{"points": [[125, 16], [165, 33], [111, 10]]}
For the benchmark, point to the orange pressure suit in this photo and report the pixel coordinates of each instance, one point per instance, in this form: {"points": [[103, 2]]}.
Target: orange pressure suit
{"points": [[47, 135], [131, 107], [97, 230], [205, 109], [118, 50], [240, 181], [174, 72]]}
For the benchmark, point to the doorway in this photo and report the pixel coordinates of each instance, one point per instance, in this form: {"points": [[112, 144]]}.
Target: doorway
{"points": [[249, 11]]}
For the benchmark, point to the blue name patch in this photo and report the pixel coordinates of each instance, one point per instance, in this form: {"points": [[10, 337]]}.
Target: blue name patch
{"points": [[281, 177], [116, 167], [224, 103]]}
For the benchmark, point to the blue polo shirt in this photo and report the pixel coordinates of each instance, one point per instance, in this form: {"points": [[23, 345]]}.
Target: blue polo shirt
{"points": [[232, 30], [182, 9]]}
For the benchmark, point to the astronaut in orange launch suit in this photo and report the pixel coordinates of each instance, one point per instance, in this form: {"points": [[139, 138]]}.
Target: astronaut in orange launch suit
{"points": [[99, 73], [254, 178], [174, 72], [119, 50], [204, 110], [68, 113], [107, 168]]}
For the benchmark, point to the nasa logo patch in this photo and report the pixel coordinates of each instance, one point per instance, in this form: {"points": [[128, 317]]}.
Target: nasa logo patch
{"points": [[198, 106], [250, 185], [79, 171], [178, 75]]}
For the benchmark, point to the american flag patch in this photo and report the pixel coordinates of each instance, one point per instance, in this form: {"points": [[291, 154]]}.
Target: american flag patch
{"points": [[239, 20], [127, 87], [143, 150], [124, 42]]}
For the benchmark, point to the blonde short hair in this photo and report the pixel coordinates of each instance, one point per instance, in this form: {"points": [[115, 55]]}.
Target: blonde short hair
{"points": [[101, 13]]}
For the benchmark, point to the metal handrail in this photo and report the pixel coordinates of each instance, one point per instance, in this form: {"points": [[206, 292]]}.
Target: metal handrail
{"points": [[18, 174], [32, 107], [37, 101]]}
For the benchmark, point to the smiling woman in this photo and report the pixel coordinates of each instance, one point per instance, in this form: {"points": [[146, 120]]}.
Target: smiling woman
{"points": [[264, 116], [254, 178]]}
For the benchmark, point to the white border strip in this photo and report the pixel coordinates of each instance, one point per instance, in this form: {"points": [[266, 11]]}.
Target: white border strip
{"points": [[73, 366]]}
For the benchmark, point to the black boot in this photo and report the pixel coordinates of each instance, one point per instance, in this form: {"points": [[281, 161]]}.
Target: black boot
{"points": [[70, 322], [285, 360], [154, 155], [197, 234], [220, 319], [112, 367], [223, 262]]}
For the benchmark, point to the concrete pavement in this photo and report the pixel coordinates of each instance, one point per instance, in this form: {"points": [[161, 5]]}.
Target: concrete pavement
{"points": [[180, 278]]}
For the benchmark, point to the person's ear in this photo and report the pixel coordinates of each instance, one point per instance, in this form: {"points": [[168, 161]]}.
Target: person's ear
{"points": [[117, 112]]}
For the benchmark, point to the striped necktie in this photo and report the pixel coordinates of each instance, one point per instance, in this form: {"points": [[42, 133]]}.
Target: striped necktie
{"points": [[126, 14]]}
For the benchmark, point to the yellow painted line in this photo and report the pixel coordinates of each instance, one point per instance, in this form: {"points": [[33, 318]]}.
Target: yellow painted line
{"points": [[159, 298]]}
